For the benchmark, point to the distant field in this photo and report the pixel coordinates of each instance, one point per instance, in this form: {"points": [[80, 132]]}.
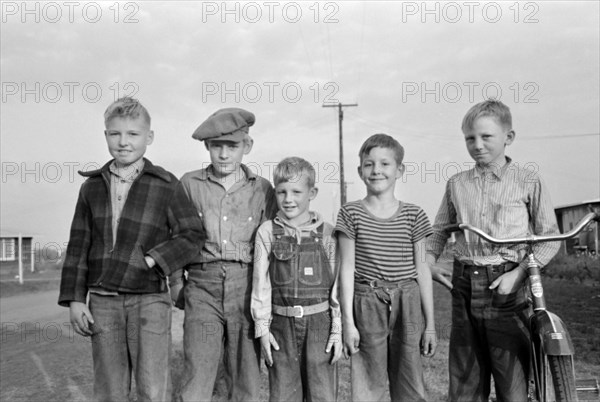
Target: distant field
{"points": [[45, 278]]}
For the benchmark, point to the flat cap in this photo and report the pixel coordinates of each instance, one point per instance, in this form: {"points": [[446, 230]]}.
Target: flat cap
{"points": [[225, 122]]}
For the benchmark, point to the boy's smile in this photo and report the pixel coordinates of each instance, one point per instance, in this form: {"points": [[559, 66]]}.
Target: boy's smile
{"points": [[379, 170], [293, 199], [487, 141], [127, 139]]}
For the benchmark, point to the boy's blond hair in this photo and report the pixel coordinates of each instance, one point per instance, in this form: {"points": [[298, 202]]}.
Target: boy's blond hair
{"points": [[291, 170], [491, 107], [126, 107]]}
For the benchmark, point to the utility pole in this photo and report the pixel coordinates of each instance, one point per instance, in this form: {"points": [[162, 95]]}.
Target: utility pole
{"points": [[342, 180]]}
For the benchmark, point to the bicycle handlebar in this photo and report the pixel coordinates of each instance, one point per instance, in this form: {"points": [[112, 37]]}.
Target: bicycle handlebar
{"points": [[531, 239]]}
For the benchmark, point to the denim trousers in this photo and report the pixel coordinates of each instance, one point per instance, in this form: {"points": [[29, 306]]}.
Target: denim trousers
{"points": [[390, 324], [218, 321], [131, 333], [301, 369], [490, 336]]}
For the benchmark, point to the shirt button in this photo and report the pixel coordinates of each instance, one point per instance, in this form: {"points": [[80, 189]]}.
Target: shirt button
{"points": [[122, 181], [224, 241], [119, 198], [224, 218], [476, 272]]}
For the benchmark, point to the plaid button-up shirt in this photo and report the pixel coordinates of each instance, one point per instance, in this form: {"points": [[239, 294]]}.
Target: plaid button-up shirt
{"points": [[158, 220]]}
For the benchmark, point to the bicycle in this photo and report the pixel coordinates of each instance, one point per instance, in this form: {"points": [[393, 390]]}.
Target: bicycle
{"points": [[551, 347]]}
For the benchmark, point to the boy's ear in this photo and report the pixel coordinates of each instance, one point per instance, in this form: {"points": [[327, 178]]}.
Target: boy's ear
{"points": [[400, 171], [510, 137], [313, 193], [248, 143], [359, 169], [150, 138]]}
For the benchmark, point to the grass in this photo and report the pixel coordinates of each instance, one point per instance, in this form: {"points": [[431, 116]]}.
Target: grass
{"points": [[46, 277], [582, 269]]}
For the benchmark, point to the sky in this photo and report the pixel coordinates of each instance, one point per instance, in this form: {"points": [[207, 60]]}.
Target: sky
{"points": [[413, 69]]}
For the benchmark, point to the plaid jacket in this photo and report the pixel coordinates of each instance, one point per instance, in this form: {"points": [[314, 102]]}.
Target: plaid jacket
{"points": [[158, 220]]}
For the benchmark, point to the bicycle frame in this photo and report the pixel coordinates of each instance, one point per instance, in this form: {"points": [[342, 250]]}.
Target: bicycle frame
{"points": [[549, 335]]}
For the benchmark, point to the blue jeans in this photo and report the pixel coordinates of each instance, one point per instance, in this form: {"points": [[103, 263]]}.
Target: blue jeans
{"points": [[217, 319], [390, 325], [489, 336], [131, 332], [301, 369]]}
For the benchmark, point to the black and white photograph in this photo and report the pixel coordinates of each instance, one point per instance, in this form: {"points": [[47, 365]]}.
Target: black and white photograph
{"points": [[300, 200]]}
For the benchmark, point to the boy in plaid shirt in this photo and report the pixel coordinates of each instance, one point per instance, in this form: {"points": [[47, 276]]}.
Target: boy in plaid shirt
{"points": [[133, 226]]}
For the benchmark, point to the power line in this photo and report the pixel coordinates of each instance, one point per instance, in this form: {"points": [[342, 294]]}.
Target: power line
{"points": [[564, 136], [342, 180]]}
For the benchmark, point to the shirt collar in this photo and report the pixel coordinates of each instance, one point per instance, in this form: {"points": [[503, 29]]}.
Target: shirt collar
{"points": [[313, 223], [498, 173], [129, 173]]}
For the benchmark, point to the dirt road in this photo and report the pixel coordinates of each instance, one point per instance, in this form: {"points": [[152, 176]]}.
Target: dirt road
{"points": [[41, 357]]}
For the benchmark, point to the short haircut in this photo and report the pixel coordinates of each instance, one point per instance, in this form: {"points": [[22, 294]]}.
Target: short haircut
{"points": [[126, 107], [382, 141], [491, 107], [291, 170]]}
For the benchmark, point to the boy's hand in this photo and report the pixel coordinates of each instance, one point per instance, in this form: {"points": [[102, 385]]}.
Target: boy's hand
{"points": [[149, 261], [177, 295], [428, 342], [266, 342], [509, 282], [439, 275], [351, 341], [335, 340], [81, 318]]}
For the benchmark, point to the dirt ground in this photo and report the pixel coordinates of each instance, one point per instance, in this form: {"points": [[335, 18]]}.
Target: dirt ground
{"points": [[42, 359]]}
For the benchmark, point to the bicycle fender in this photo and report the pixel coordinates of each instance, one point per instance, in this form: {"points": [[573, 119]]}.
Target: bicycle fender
{"points": [[552, 333]]}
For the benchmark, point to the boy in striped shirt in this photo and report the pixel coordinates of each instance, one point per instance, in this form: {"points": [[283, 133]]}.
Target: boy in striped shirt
{"points": [[489, 304], [385, 281]]}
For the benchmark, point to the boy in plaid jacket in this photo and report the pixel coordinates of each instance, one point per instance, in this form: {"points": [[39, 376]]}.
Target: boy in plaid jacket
{"points": [[133, 225]]}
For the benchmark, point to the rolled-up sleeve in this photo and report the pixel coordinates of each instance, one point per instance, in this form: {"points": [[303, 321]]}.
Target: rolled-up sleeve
{"points": [[260, 302]]}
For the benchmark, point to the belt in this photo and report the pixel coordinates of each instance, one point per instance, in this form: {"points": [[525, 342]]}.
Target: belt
{"points": [[376, 283], [460, 267], [300, 311], [222, 264]]}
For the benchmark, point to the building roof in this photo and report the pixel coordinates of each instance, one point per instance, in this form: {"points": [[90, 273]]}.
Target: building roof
{"points": [[11, 235], [576, 204]]}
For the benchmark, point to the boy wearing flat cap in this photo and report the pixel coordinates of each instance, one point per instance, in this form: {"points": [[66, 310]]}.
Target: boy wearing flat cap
{"points": [[232, 202]]}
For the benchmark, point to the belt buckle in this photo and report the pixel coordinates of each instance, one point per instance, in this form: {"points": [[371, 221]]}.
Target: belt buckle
{"points": [[301, 312], [373, 283]]}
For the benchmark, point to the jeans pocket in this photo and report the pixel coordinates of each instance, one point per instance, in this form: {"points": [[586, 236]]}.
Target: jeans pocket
{"points": [[510, 301]]}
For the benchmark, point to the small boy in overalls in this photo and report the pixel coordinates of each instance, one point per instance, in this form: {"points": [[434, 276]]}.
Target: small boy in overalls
{"points": [[294, 292]]}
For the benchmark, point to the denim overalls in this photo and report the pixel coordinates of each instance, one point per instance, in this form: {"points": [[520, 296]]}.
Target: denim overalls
{"points": [[301, 280]]}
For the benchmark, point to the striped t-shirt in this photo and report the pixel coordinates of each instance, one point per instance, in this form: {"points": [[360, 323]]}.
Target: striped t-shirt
{"points": [[383, 247]]}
